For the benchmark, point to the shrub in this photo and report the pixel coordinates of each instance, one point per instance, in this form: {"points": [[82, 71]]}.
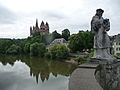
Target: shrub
{"points": [[47, 55], [37, 49], [62, 52], [80, 59], [91, 54], [58, 52]]}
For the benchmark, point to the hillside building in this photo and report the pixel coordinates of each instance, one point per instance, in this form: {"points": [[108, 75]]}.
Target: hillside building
{"points": [[43, 29]]}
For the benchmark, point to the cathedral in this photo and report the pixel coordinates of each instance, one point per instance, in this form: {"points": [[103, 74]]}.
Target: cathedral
{"points": [[43, 29]]}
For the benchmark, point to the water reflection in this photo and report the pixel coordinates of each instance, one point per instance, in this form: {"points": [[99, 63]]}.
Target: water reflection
{"points": [[40, 68], [108, 76]]}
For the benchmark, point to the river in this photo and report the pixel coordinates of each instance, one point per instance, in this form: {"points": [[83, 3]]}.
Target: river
{"points": [[27, 73]]}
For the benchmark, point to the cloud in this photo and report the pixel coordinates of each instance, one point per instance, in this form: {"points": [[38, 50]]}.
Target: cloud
{"points": [[75, 15], [6, 16], [53, 14]]}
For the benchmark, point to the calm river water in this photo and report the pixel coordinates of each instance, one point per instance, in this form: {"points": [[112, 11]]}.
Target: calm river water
{"points": [[25, 73]]}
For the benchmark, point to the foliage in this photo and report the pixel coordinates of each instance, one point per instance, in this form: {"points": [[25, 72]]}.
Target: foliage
{"points": [[62, 52], [91, 54], [14, 49], [34, 45], [74, 43], [58, 52], [80, 41], [37, 49], [117, 56], [47, 55], [38, 39], [56, 35], [27, 48], [66, 34], [80, 59], [5, 44], [36, 34]]}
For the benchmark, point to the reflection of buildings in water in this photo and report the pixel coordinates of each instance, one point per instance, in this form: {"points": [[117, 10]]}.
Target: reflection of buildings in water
{"points": [[108, 76], [54, 74], [36, 73], [43, 69]]}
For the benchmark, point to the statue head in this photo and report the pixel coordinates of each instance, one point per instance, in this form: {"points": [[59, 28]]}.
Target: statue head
{"points": [[99, 12]]}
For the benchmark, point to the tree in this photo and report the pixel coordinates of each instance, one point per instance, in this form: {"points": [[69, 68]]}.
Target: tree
{"points": [[75, 42], [80, 41], [56, 35], [36, 34], [38, 39], [5, 44], [27, 48], [62, 52], [37, 49], [14, 49], [66, 34], [58, 52]]}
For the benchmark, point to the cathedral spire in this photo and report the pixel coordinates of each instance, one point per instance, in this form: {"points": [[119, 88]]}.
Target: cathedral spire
{"points": [[36, 22], [30, 30], [42, 23], [47, 24]]}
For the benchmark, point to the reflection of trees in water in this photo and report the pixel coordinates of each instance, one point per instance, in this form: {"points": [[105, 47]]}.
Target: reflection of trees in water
{"points": [[8, 59], [108, 76], [41, 68]]}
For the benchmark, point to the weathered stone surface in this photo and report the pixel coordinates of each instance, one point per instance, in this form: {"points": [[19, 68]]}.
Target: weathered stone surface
{"points": [[108, 75], [89, 66], [83, 79]]}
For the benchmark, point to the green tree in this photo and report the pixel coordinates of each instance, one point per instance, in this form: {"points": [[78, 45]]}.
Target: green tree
{"points": [[56, 35], [27, 48], [38, 39], [53, 50], [14, 49], [74, 43], [80, 41], [66, 34], [58, 52], [62, 52], [5, 44], [37, 49], [36, 34]]}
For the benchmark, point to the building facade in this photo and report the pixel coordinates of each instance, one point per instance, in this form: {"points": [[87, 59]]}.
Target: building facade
{"points": [[116, 45], [43, 29], [58, 41]]}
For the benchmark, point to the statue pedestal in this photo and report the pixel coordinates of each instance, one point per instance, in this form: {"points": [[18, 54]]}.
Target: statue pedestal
{"points": [[94, 61], [100, 61]]}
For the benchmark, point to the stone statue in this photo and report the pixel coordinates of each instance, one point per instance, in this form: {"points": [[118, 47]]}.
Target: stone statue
{"points": [[99, 27]]}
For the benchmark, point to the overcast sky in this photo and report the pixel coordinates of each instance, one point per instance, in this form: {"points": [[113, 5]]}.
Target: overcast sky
{"points": [[16, 16]]}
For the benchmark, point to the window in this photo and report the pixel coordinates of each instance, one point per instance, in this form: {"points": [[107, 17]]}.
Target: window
{"points": [[116, 49]]}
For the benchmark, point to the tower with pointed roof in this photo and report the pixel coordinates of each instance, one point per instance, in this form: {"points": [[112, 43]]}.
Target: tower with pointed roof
{"points": [[43, 29]]}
